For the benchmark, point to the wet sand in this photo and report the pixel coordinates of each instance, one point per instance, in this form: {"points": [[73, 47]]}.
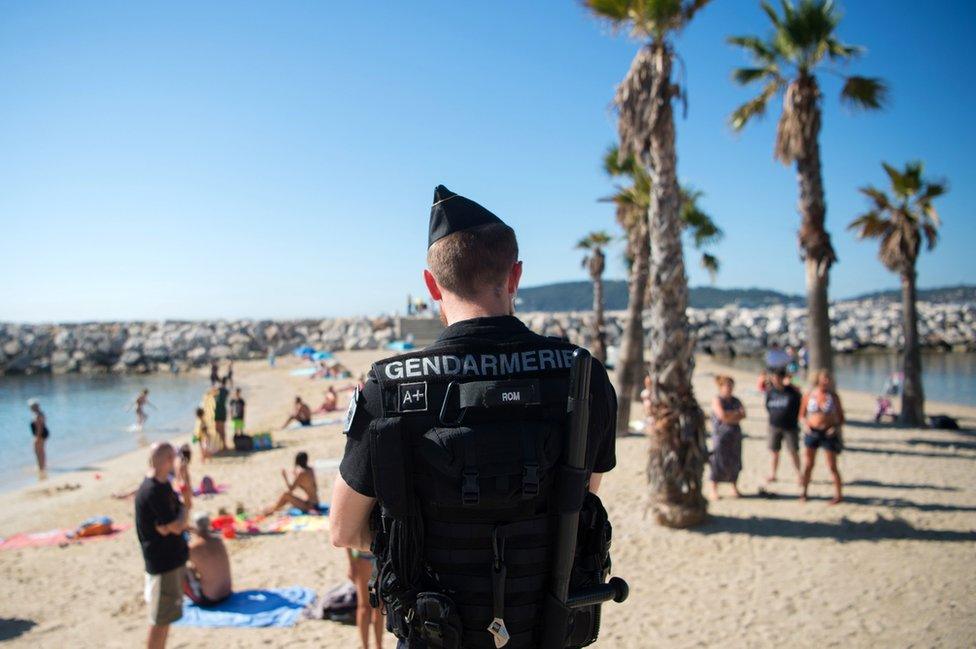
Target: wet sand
{"points": [[893, 566]]}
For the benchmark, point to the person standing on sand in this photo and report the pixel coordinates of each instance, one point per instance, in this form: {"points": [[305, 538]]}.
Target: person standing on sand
{"points": [[783, 405], [182, 482], [361, 565], [201, 435], [214, 373], [160, 523], [726, 457], [38, 427], [237, 413], [220, 413], [824, 416]]}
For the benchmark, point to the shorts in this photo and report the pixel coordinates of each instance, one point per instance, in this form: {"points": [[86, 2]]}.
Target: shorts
{"points": [[164, 596], [817, 438], [778, 435], [238, 425]]}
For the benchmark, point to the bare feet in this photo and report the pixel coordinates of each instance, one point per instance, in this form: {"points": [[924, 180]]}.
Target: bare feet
{"points": [[836, 500], [770, 479], [735, 492], [715, 495], [803, 498]]}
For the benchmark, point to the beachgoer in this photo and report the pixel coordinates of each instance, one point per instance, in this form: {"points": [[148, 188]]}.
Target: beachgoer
{"points": [[726, 459], [201, 435], [182, 482], [303, 478], [473, 487], [883, 408], [208, 579], [794, 365], [160, 523], [271, 357], [38, 428], [237, 412], [220, 413], [330, 402], [783, 406], [214, 373], [361, 564], [824, 416], [776, 357], [302, 414], [762, 383], [142, 400]]}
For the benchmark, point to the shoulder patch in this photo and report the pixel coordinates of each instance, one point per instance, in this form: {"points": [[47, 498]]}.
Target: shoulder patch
{"points": [[351, 411], [412, 397]]}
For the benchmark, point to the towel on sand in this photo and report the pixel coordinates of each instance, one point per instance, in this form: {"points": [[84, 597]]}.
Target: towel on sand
{"points": [[54, 537], [274, 607]]}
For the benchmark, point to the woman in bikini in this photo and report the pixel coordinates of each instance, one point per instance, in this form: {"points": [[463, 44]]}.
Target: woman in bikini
{"points": [[823, 414], [40, 432]]}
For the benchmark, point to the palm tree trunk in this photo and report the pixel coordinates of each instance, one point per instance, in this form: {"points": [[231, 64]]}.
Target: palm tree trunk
{"points": [[815, 246], [599, 340], [631, 358], [677, 446], [912, 395]]}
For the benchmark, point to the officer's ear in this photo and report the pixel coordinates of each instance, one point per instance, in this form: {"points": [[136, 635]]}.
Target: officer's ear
{"points": [[514, 277], [432, 287]]}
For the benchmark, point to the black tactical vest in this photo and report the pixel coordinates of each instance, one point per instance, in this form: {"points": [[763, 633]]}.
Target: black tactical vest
{"points": [[464, 461]]}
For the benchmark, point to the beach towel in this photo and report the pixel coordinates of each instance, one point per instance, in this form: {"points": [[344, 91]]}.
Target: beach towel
{"points": [[219, 489], [298, 521], [275, 607], [55, 537]]}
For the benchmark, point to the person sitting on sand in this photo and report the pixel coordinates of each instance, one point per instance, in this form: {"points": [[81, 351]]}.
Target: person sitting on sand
{"points": [[38, 427], [201, 435], [208, 580], [302, 414], [330, 402], [824, 416], [726, 458], [182, 483], [304, 479]]}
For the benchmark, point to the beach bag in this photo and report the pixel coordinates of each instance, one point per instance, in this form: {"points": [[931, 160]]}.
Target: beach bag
{"points": [[97, 526], [339, 603], [945, 422], [243, 443]]}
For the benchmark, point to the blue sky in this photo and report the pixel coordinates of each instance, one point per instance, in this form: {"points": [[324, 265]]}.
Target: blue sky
{"points": [[233, 159]]}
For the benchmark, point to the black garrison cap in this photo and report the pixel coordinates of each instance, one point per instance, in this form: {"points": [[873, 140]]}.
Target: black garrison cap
{"points": [[451, 213]]}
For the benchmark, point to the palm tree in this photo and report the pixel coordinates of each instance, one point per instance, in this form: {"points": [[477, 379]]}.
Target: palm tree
{"points": [[901, 222], [594, 262], [646, 130], [632, 200], [803, 41]]}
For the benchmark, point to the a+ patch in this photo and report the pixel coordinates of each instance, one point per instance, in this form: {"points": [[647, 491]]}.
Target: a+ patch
{"points": [[413, 397]]}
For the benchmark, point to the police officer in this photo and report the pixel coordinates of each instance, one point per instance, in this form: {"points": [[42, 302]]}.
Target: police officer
{"points": [[459, 443]]}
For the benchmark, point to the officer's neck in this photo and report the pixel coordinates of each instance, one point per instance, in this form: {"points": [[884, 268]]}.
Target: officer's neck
{"points": [[456, 310]]}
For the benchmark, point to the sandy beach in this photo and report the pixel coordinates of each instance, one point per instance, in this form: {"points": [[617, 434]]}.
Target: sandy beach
{"points": [[894, 566]]}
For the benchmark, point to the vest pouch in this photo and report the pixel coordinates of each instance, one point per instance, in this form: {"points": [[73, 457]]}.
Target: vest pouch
{"points": [[391, 474], [474, 466], [437, 622]]}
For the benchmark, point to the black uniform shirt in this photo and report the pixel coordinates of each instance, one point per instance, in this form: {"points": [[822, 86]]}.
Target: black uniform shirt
{"points": [[158, 504], [356, 468], [783, 407]]}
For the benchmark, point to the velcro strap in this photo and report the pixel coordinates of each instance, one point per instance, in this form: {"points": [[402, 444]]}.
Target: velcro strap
{"points": [[489, 394], [569, 490]]}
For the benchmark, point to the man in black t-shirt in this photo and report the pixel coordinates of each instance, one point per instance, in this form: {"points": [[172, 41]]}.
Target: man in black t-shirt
{"points": [[473, 272], [783, 406], [160, 523]]}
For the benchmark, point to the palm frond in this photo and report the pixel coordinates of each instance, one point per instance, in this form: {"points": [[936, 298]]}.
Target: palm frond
{"points": [[759, 49], [869, 225], [711, 264], [745, 76], [617, 11], [864, 92], [841, 51], [755, 107]]}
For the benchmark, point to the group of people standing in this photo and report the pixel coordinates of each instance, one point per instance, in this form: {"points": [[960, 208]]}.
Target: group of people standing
{"points": [[819, 411]]}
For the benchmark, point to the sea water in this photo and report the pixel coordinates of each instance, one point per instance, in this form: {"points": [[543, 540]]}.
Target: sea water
{"points": [[90, 418], [946, 377]]}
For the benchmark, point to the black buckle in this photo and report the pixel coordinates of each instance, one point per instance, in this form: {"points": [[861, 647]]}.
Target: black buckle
{"points": [[470, 491], [530, 480]]}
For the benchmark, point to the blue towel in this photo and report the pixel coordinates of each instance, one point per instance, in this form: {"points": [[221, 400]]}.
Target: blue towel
{"points": [[322, 509], [251, 608]]}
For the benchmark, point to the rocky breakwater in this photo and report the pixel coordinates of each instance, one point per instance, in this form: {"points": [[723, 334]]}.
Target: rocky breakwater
{"points": [[733, 330], [172, 345]]}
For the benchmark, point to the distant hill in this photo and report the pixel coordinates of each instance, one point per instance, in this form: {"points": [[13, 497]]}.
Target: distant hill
{"points": [[953, 294], [578, 296]]}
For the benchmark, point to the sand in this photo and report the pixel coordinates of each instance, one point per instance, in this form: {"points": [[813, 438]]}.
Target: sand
{"points": [[894, 566]]}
